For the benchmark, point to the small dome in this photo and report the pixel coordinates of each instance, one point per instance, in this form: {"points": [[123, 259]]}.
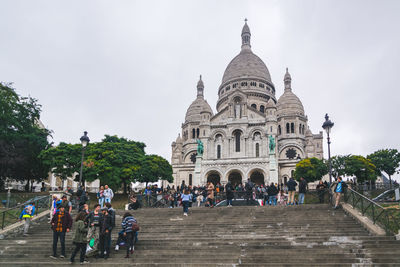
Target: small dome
{"points": [[179, 139], [194, 110], [246, 65], [270, 104], [308, 132], [289, 104]]}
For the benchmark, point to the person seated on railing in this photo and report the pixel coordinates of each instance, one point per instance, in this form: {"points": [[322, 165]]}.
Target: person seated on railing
{"points": [[338, 188], [27, 214], [134, 205]]}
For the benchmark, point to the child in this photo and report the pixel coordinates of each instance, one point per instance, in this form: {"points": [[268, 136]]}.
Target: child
{"points": [[186, 198]]}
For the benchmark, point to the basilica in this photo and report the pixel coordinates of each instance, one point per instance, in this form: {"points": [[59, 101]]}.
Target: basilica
{"points": [[252, 135]]}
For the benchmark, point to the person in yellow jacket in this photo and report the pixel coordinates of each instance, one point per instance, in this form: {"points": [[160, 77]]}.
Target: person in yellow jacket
{"points": [[27, 214]]}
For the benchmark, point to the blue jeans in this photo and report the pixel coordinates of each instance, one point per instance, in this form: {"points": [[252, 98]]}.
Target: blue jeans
{"points": [[185, 205], [272, 200], [56, 236], [301, 198], [229, 202], [101, 202], [107, 200]]}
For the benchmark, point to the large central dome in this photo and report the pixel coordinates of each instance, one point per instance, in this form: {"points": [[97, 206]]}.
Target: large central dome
{"points": [[246, 64]]}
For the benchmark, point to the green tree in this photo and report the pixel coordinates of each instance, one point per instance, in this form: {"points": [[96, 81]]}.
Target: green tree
{"points": [[22, 138], [311, 169], [362, 168], [155, 168], [386, 160], [338, 164]]}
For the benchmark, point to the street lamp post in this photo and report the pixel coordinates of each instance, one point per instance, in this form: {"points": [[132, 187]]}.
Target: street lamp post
{"points": [[327, 126], [85, 141]]}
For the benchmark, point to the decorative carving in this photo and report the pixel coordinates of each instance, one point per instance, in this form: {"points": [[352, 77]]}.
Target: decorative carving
{"points": [[291, 153]]}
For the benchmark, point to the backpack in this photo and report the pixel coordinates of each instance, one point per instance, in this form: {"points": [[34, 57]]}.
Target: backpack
{"points": [[28, 209]]}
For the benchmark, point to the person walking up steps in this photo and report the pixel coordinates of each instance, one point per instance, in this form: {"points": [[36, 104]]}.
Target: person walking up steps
{"points": [[27, 214], [186, 197], [338, 189], [127, 227], [80, 238]]}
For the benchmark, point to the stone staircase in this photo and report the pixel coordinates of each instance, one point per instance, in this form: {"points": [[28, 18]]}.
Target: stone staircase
{"points": [[308, 235]]}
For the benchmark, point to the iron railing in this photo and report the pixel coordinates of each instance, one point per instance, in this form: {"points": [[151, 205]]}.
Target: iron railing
{"points": [[380, 215], [11, 216]]}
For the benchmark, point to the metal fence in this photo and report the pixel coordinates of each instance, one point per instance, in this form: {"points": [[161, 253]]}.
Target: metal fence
{"points": [[380, 215], [11, 216]]}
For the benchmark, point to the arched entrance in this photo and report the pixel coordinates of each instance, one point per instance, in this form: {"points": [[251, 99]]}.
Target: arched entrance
{"points": [[235, 177], [213, 177], [257, 177]]}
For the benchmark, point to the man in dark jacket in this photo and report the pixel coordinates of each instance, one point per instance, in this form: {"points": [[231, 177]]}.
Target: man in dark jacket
{"points": [[302, 190], [105, 233], [272, 193], [111, 212], [249, 191], [60, 224], [291, 184], [229, 193]]}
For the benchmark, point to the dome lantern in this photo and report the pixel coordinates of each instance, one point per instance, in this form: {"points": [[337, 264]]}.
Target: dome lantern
{"points": [[200, 88], [246, 36], [288, 80]]}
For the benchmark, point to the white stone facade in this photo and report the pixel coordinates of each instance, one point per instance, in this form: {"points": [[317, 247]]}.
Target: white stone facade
{"points": [[235, 139]]}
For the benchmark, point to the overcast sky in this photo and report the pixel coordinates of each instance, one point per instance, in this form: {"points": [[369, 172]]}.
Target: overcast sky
{"points": [[131, 67]]}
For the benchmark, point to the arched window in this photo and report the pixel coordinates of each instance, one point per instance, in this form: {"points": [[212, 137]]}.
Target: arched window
{"points": [[254, 106], [279, 130], [300, 131], [272, 129], [303, 128], [257, 150], [193, 133], [218, 151], [262, 108], [292, 173], [237, 141], [190, 179], [292, 127], [287, 128], [198, 132]]}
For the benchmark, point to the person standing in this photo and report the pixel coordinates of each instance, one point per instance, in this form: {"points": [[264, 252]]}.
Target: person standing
{"points": [[108, 194], [186, 197], [321, 188], [229, 193], [60, 224], [291, 185], [105, 233], [249, 191], [100, 196], [66, 204], [27, 214], [80, 238], [127, 224], [53, 208], [94, 220], [272, 194], [210, 194], [302, 190], [111, 213], [338, 189]]}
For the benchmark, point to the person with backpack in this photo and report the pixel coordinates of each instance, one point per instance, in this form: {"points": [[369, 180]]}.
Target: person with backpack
{"points": [[128, 224], [60, 224], [229, 193], [27, 214], [272, 194], [291, 185], [80, 238]]}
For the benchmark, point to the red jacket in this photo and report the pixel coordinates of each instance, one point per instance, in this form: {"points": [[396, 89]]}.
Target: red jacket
{"points": [[66, 221]]}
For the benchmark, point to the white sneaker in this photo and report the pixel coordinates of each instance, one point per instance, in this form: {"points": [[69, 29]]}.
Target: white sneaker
{"points": [[116, 248], [185, 214]]}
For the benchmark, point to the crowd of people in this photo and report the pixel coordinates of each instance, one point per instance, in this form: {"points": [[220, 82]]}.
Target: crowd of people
{"points": [[92, 228], [209, 195]]}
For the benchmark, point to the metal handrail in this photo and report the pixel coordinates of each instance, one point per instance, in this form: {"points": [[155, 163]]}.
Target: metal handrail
{"points": [[40, 202], [370, 208]]}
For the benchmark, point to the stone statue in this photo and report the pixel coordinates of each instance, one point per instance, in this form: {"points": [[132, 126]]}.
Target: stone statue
{"points": [[200, 148], [271, 144]]}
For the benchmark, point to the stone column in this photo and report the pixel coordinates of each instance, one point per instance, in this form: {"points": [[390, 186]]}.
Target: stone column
{"points": [[198, 180]]}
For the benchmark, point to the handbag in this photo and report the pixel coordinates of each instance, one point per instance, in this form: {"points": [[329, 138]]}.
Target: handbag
{"points": [[135, 227]]}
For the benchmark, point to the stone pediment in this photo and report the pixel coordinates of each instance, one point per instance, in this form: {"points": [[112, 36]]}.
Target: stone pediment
{"points": [[254, 114], [221, 117]]}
